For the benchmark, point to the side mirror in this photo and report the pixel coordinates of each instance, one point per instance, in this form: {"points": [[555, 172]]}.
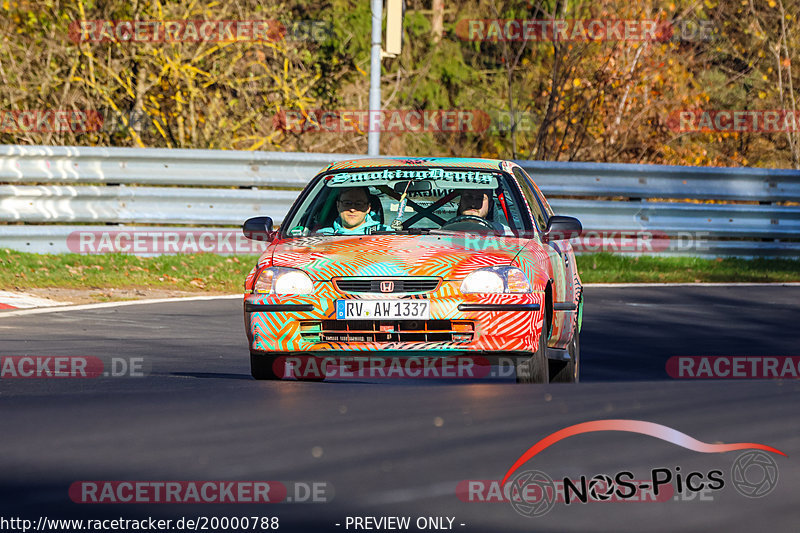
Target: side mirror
{"points": [[258, 229], [562, 228]]}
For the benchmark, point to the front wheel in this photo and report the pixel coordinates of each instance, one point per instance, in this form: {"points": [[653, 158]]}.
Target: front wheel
{"points": [[569, 372], [265, 366], [261, 367], [535, 369]]}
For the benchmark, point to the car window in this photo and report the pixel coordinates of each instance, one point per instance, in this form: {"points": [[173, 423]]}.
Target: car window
{"points": [[529, 190], [542, 200]]}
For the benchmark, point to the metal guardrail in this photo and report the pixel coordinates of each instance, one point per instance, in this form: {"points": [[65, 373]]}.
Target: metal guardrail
{"points": [[665, 181], [159, 166], [141, 205], [59, 187]]}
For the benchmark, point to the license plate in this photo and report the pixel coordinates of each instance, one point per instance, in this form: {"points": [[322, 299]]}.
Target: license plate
{"points": [[383, 309]]}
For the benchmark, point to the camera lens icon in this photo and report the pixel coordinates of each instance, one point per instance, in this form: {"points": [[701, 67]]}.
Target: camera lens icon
{"points": [[531, 493], [601, 488], [754, 474]]}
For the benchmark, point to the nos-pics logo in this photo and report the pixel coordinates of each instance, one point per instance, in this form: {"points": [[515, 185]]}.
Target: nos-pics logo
{"points": [[533, 493]]}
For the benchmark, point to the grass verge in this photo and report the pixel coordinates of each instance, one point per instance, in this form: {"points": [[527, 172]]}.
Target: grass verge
{"points": [[214, 273], [610, 268], [200, 272]]}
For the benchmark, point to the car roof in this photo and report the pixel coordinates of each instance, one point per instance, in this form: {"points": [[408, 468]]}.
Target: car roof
{"points": [[411, 162]]}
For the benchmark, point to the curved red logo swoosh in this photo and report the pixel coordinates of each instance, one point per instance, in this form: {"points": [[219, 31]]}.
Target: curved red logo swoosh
{"points": [[634, 426]]}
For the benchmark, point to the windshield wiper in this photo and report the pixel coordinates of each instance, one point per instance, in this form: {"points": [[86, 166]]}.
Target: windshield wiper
{"points": [[437, 231], [409, 231]]}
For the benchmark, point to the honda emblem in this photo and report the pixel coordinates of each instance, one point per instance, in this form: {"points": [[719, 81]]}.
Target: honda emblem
{"points": [[387, 286]]}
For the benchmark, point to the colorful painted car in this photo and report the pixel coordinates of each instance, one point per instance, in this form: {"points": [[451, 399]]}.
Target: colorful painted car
{"points": [[422, 257]]}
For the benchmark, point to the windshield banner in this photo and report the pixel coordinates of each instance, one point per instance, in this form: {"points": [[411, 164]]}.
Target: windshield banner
{"points": [[443, 178]]}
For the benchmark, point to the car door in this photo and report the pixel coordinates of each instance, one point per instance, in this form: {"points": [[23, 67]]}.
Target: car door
{"points": [[566, 283]]}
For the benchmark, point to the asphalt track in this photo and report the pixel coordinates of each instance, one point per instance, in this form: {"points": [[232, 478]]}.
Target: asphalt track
{"points": [[397, 447]]}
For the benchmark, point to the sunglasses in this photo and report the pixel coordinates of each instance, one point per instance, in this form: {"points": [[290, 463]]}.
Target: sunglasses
{"points": [[472, 200], [473, 196], [360, 205]]}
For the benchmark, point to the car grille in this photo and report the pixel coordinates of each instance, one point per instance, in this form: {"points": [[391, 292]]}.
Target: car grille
{"points": [[388, 331], [409, 285]]}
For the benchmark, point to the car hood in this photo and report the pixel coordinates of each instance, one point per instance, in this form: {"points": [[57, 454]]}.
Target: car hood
{"points": [[446, 256]]}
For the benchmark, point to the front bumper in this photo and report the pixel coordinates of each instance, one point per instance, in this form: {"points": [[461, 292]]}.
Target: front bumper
{"points": [[458, 323]]}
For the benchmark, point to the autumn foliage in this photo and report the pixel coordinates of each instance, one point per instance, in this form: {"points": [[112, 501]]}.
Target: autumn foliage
{"points": [[576, 99]]}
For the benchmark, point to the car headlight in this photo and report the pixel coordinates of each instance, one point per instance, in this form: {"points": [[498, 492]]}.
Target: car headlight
{"points": [[503, 279], [281, 280]]}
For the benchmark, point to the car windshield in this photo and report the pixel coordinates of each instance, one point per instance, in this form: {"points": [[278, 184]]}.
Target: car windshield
{"points": [[419, 200]]}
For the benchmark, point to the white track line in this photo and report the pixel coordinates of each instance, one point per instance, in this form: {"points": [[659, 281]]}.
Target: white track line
{"points": [[776, 284], [82, 307], [27, 301]]}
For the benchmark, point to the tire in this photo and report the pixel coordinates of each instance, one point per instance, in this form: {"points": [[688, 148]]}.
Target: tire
{"points": [[569, 372], [535, 368], [261, 367]]}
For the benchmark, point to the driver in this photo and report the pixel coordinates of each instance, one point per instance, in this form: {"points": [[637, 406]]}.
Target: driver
{"points": [[354, 216], [474, 202], [477, 203]]}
